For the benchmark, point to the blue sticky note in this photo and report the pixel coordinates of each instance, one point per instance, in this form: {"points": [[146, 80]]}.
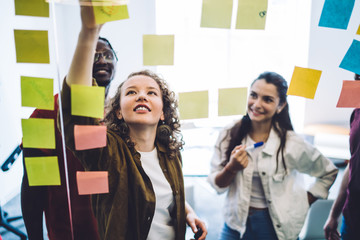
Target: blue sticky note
{"points": [[351, 60], [336, 14]]}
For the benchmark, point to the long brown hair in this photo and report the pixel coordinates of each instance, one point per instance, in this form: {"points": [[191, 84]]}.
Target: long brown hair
{"points": [[173, 141]]}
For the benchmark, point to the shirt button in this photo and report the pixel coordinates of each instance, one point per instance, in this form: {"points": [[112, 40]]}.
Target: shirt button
{"points": [[263, 173], [269, 201], [278, 225], [149, 218]]}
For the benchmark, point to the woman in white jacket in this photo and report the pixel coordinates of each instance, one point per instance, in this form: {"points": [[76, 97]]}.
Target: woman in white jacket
{"points": [[265, 199]]}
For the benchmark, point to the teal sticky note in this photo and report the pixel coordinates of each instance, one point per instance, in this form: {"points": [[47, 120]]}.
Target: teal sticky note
{"points": [[351, 60], [37, 92], [336, 13]]}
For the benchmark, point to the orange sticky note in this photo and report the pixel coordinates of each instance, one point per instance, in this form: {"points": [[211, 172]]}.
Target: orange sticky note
{"points": [[93, 182], [304, 82], [349, 96], [89, 136]]}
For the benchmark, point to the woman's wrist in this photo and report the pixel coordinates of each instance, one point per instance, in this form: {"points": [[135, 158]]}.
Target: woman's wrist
{"points": [[227, 169]]}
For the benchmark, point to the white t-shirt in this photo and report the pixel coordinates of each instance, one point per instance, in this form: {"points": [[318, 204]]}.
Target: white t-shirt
{"points": [[161, 226]]}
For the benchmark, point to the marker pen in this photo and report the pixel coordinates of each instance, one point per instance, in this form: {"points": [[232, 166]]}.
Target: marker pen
{"points": [[251, 147]]}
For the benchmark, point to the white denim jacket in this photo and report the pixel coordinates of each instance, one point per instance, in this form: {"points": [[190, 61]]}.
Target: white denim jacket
{"points": [[285, 193]]}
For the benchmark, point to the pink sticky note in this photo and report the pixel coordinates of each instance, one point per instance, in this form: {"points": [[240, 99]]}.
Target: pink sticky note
{"points": [[349, 96], [93, 182], [89, 136]]}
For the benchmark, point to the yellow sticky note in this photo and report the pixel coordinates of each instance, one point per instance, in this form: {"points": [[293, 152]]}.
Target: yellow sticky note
{"points": [[304, 82], [31, 46], [358, 31], [38, 133], [42, 171], [35, 8], [232, 101], [37, 92], [194, 105], [87, 101], [216, 13], [158, 50], [251, 14], [93, 182], [110, 12]]}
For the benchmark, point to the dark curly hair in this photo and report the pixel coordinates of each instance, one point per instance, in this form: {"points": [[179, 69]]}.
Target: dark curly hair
{"points": [[173, 141], [281, 122]]}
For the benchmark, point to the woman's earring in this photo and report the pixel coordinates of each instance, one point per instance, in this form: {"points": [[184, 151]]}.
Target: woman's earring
{"points": [[163, 131]]}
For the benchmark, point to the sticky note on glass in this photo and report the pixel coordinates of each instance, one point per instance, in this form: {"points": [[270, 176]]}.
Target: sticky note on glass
{"points": [[158, 50], [358, 31], [216, 13], [349, 96], [88, 137], [38, 133], [37, 92], [35, 8], [304, 82], [87, 101], [31, 46], [110, 12], [42, 171], [93, 182], [351, 60], [336, 14], [194, 105], [232, 101], [251, 14]]}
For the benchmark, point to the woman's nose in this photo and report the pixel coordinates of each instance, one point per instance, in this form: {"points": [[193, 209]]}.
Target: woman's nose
{"points": [[141, 97]]}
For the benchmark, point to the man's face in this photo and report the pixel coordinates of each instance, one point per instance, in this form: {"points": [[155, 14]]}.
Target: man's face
{"points": [[104, 64]]}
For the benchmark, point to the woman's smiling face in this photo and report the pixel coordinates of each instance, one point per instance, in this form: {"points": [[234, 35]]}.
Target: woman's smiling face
{"points": [[141, 101], [263, 101]]}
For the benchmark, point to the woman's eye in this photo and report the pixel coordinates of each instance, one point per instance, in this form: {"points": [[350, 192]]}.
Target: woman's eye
{"points": [[130, 92], [152, 93], [253, 95]]}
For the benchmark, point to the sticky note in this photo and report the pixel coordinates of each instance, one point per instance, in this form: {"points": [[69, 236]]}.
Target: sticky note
{"points": [[351, 59], [158, 50], [216, 13], [35, 8], [110, 12], [88, 137], [93, 182], [31, 46], [349, 96], [37, 92], [87, 101], [194, 105], [38, 133], [358, 31], [304, 82], [336, 14], [232, 101], [42, 171], [251, 14]]}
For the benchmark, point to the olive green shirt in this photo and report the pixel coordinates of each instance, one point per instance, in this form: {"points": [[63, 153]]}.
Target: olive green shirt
{"points": [[126, 212]]}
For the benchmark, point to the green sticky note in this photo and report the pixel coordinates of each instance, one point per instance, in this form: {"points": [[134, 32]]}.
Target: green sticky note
{"points": [[232, 101], [194, 105], [110, 12], [216, 13], [31, 46], [37, 92], [35, 8], [42, 171], [87, 101], [304, 82], [158, 50], [38, 133], [251, 14]]}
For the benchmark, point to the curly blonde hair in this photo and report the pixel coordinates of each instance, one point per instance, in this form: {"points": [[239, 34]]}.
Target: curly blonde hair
{"points": [[173, 141]]}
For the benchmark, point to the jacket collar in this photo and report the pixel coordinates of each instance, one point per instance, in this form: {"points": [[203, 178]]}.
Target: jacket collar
{"points": [[272, 144]]}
